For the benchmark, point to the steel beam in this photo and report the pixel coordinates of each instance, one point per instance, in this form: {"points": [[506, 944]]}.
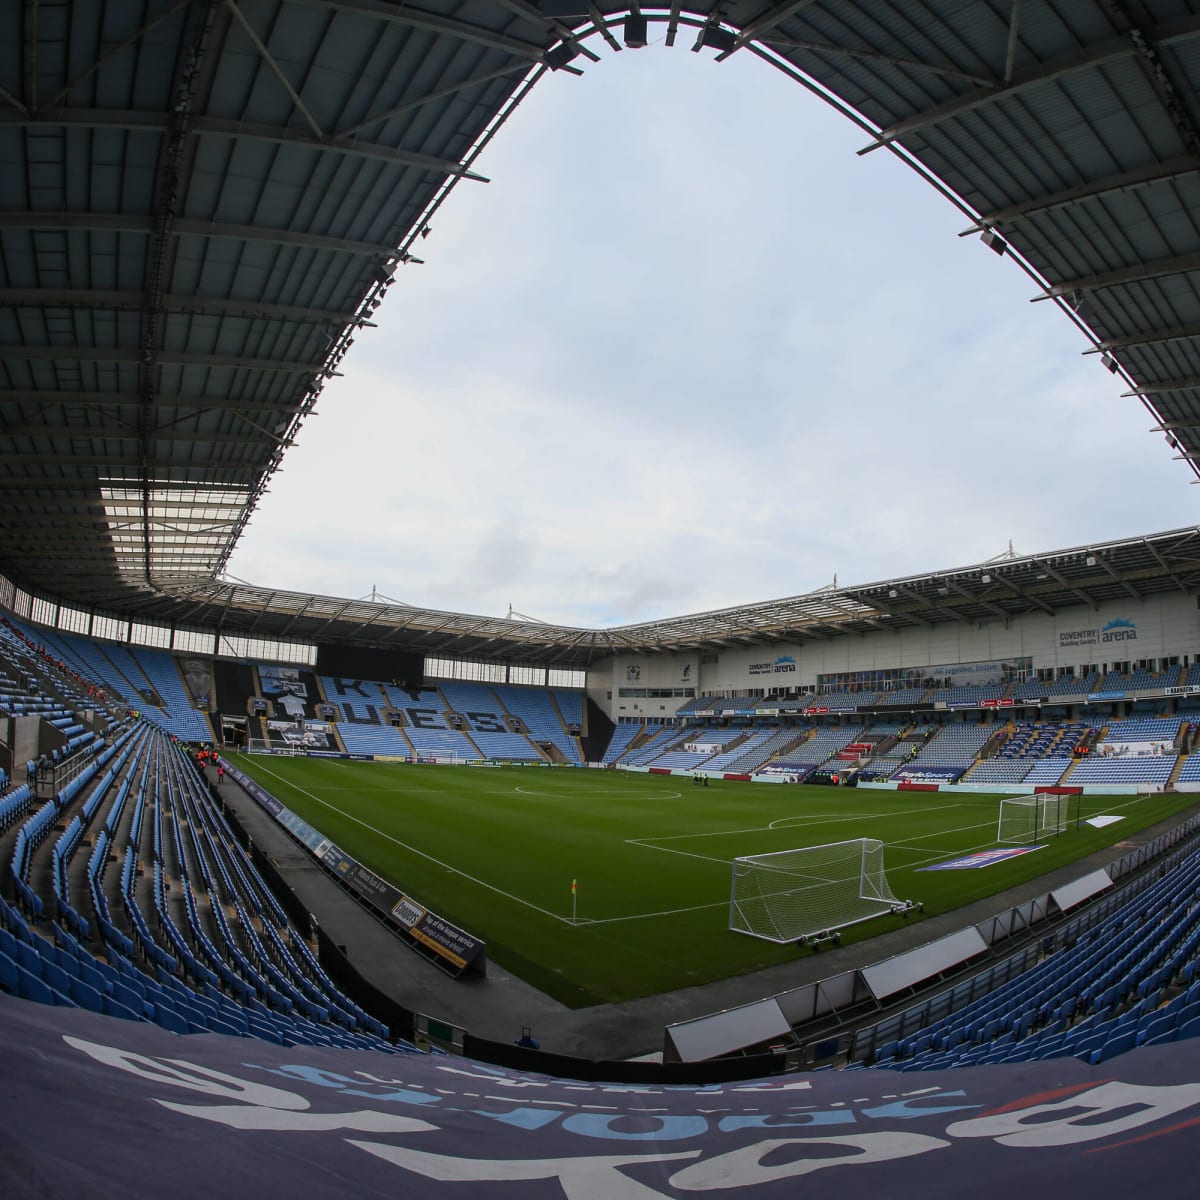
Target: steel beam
{"points": [[222, 127], [1178, 264], [1159, 172], [1099, 53]]}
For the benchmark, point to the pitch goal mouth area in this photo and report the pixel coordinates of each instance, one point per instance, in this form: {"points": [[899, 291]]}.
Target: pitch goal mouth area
{"points": [[811, 892]]}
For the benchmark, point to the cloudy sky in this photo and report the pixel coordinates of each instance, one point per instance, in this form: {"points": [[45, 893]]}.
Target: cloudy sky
{"points": [[688, 350]]}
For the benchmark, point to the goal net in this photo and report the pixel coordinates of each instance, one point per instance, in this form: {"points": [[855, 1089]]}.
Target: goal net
{"points": [[262, 746], [1025, 820], [795, 895]]}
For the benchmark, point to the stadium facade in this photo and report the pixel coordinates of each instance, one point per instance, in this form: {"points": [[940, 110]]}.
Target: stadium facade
{"points": [[1149, 633], [1124, 606]]}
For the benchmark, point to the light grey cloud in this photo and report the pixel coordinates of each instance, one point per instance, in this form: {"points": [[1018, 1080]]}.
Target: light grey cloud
{"points": [[687, 350]]}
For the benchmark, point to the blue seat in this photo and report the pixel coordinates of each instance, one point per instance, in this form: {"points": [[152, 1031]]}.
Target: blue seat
{"points": [[106, 971], [29, 958], [1158, 1036], [1189, 1029], [8, 974], [1125, 1040], [47, 951], [114, 1008], [66, 941], [220, 1025], [128, 996], [87, 971], [268, 1032], [87, 996], [170, 1020], [31, 987], [55, 977]]}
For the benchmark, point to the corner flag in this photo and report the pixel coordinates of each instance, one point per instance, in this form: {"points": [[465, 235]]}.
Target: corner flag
{"points": [[574, 886]]}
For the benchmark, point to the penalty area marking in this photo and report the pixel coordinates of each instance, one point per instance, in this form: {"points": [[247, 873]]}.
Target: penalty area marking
{"points": [[668, 912], [774, 826], [817, 818]]}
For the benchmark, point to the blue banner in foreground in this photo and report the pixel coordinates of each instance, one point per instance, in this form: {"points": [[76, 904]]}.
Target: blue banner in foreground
{"points": [[90, 1104], [983, 858]]}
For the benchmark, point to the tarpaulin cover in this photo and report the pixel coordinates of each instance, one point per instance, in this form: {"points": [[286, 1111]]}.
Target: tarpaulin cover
{"points": [[97, 1107]]}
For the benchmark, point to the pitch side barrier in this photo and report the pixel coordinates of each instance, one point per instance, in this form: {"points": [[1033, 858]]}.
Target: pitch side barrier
{"points": [[454, 950], [294, 752], [931, 785], [1025, 789], [810, 1022]]}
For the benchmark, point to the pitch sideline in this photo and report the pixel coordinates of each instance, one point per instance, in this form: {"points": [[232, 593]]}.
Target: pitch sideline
{"points": [[420, 853]]}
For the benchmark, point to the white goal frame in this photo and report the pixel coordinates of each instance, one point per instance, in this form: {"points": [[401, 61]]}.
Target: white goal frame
{"points": [[1026, 820], [262, 746], [809, 893]]}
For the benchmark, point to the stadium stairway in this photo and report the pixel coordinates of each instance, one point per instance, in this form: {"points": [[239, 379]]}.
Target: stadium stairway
{"points": [[1065, 777], [1176, 771]]}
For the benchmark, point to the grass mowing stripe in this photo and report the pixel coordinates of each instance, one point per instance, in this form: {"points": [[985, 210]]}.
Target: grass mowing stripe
{"points": [[495, 851], [649, 845], [413, 849]]}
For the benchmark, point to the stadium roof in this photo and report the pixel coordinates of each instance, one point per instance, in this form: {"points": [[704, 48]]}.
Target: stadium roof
{"points": [[202, 202], [1010, 586]]}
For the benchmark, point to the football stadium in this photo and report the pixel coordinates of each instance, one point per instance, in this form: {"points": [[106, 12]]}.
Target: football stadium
{"points": [[915, 861]]}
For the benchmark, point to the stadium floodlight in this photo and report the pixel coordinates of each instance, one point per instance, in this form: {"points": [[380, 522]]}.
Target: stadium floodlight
{"points": [[809, 894], [1025, 820], [993, 241]]}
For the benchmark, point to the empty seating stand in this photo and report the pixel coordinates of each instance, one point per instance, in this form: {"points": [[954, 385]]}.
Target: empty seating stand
{"points": [[1132, 977], [165, 919]]}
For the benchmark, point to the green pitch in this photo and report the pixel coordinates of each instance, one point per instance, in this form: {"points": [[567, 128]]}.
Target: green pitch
{"points": [[496, 850]]}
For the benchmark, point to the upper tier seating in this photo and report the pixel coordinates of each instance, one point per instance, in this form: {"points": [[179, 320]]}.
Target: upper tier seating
{"points": [[1069, 685], [179, 714], [899, 697], [844, 701], [966, 695]]}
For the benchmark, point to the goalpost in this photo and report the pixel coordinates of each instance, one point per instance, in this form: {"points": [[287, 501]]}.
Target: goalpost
{"points": [[809, 893], [1025, 820], [262, 746]]}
